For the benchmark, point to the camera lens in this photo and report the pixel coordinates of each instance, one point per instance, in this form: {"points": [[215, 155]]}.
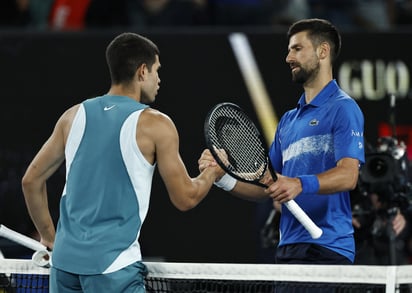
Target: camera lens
{"points": [[378, 167]]}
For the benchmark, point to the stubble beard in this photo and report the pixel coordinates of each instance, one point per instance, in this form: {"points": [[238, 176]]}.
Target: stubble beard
{"points": [[305, 75]]}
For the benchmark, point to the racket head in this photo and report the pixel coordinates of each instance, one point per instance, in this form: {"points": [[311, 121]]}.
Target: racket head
{"points": [[227, 127]]}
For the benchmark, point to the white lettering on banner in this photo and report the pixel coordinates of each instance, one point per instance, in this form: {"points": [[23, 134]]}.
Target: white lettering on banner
{"points": [[374, 80]]}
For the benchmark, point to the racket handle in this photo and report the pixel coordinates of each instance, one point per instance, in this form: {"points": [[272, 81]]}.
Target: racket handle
{"points": [[304, 219], [21, 239], [40, 257]]}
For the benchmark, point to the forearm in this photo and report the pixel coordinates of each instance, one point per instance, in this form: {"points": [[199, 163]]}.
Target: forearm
{"points": [[204, 182], [343, 177], [37, 205], [331, 182], [186, 192], [249, 191]]}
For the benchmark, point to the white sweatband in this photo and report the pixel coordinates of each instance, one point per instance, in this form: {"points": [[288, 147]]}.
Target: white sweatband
{"points": [[227, 182]]}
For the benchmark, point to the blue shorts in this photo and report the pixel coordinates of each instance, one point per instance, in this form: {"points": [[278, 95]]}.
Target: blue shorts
{"points": [[308, 253], [128, 280]]}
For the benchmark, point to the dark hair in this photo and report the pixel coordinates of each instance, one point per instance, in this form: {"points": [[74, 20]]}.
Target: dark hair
{"points": [[126, 53], [319, 30]]}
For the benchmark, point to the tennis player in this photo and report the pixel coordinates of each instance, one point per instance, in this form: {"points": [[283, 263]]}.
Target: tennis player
{"points": [[111, 145], [317, 151]]}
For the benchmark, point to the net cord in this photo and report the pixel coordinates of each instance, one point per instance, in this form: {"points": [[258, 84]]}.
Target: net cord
{"points": [[21, 266], [390, 276], [294, 273]]}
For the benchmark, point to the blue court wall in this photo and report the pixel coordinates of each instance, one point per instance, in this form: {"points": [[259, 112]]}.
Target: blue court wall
{"points": [[43, 73]]}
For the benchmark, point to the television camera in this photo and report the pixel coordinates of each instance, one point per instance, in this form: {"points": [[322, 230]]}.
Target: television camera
{"points": [[385, 189], [386, 172]]}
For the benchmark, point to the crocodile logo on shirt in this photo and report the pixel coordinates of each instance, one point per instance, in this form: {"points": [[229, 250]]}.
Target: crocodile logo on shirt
{"points": [[314, 122]]}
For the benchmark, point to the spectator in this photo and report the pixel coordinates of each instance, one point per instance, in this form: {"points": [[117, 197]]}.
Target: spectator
{"points": [[382, 230], [68, 14], [340, 12], [169, 13], [39, 11], [243, 12], [147, 13], [403, 13], [375, 14], [291, 11], [14, 13]]}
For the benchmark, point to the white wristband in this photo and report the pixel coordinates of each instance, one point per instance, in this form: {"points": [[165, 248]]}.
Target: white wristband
{"points": [[227, 182]]}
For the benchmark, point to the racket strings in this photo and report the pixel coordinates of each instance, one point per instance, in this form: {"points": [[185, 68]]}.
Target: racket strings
{"points": [[232, 131]]}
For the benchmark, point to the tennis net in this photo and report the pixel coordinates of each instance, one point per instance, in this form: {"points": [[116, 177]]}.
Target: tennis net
{"points": [[23, 276]]}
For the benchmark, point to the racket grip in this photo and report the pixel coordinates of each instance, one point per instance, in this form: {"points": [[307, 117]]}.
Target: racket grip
{"points": [[304, 219]]}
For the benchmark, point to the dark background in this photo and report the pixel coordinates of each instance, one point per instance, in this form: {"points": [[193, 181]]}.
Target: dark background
{"points": [[43, 73]]}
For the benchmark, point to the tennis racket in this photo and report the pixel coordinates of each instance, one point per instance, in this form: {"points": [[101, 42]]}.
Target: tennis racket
{"points": [[244, 155], [41, 255]]}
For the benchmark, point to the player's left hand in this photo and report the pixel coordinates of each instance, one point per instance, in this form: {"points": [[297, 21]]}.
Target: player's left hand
{"points": [[284, 189]]}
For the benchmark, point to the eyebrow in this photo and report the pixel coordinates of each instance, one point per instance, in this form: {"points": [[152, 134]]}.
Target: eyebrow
{"points": [[294, 46]]}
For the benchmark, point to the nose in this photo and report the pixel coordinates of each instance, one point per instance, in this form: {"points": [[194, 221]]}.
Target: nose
{"points": [[288, 58]]}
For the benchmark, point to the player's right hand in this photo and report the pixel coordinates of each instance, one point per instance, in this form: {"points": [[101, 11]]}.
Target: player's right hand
{"points": [[206, 160]]}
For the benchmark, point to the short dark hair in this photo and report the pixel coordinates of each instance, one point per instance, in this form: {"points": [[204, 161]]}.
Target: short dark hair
{"points": [[319, 30], [127, 52]]}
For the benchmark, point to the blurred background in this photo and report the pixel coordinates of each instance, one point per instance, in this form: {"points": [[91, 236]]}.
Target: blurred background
{"points": [[52, 56]]}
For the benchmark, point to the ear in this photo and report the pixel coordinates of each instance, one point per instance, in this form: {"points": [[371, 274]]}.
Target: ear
{"points": [[324, 50], [141, 72]]}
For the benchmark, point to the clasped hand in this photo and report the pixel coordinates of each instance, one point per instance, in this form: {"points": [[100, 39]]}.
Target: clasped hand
{"points": [[281, 190]]}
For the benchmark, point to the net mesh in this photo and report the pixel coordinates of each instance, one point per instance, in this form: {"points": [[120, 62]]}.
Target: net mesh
{"points": [[24, 276], [20, 276], [229, 128]]}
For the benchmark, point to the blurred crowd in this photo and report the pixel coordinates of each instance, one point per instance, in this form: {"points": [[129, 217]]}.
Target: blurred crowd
{"points": [[76, 15]]}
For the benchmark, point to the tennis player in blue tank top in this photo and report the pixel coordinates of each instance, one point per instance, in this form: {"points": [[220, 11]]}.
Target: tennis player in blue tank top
{"points": [[317, 151], [111, 145]]}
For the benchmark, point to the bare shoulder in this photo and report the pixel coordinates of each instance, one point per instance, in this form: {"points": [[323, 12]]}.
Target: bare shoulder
{"points": [[156, 134], [158, 127], [70, 113], [66, 119], [154, 119], [154, 114]]}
